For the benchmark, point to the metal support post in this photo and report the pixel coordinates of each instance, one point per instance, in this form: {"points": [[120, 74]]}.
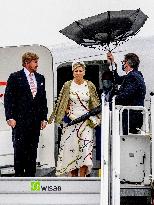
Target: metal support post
{"points": [[115, 156], [152, 131], [104, 197]]}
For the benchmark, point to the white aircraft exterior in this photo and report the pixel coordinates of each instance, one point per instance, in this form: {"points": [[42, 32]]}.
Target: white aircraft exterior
{"points": [[52, 60]]}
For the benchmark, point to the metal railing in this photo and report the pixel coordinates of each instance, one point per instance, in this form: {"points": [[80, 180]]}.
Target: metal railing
{"points": [[105, 196], [145, 127]]}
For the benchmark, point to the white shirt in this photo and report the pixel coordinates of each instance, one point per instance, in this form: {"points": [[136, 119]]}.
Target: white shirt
{"points": [[32, 76]]}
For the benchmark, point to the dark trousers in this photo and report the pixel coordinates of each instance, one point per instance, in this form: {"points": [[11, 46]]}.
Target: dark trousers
{"points": [[135, 121], [25, 152], [98, 142]]}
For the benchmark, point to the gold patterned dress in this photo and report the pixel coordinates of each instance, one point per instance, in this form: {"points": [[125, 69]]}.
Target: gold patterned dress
{"points": [[77, 140]]}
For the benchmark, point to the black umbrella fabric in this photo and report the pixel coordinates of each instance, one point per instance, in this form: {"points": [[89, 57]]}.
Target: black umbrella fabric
{"points": [[111, 27]]}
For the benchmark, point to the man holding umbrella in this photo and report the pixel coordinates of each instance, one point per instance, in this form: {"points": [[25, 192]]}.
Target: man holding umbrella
{"points": [[131, 92]]}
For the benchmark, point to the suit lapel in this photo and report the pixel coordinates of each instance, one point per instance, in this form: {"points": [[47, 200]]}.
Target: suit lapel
{"points": [[25, 83]]}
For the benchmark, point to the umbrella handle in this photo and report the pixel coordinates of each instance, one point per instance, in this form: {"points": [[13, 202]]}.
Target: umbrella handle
{"points": [[109, 30]]}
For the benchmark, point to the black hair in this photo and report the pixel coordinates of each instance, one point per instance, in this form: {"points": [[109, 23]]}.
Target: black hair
{"points": [[133, 60]]}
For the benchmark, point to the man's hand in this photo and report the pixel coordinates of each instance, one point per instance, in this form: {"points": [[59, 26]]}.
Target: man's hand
{"points": [[110, 58], [43, 124], [11, 123]]}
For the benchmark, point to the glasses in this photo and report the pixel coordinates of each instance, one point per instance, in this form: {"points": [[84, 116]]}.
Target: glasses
{"points": [[124, 62]]}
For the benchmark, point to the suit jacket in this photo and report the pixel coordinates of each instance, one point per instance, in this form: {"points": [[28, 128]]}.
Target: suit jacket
{"points": [[19, 102], [132, 90]]}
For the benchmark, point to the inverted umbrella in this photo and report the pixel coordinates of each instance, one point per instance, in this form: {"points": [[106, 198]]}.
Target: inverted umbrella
{"points": [[111, 27]]}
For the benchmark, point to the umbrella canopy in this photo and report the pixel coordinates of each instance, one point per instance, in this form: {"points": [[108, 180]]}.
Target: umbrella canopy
{"points": [[106, 28]]}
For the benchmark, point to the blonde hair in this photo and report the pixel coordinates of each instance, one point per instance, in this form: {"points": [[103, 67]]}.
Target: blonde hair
{"points": [[77, 64], [28, 57]]}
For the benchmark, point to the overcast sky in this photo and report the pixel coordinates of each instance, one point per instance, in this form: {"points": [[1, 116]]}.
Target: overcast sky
{"points": [[39, 21]]}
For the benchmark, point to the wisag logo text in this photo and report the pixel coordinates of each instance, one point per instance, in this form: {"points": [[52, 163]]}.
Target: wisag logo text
{"points": [[37, 187]]}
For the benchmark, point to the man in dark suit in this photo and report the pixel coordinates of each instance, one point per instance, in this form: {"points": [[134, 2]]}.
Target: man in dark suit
{"points": [[131, 92], [26, 112]]}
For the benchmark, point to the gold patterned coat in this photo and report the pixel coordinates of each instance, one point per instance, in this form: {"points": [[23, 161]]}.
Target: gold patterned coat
{"points": [[63, 100]]}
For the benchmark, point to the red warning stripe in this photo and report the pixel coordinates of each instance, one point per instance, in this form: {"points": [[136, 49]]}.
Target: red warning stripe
{"points": [[3, 83]]}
